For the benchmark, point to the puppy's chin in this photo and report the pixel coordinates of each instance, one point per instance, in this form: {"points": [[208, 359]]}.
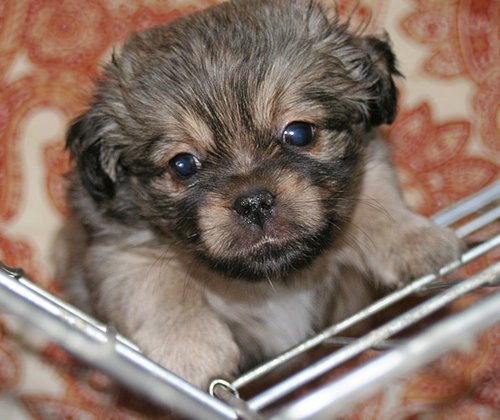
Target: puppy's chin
{"points": [[270, 259]]}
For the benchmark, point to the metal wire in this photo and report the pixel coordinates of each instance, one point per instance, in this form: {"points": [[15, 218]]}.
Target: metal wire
{"points": [[332, 399], [468, 205], [102, 347]]}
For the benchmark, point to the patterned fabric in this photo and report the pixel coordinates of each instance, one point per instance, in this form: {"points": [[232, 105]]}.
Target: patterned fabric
{"points": [[446, 145]]}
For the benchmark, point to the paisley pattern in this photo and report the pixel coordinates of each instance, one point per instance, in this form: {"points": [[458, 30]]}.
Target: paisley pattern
{"points": [[462, 41], [435, 162], [446, 145]]}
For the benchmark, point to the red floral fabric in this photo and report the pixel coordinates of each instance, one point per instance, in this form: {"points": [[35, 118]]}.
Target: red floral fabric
{"points": [[446, 145]]}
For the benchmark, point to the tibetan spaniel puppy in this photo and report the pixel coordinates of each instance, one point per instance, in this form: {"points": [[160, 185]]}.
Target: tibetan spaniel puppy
{"points": [[230, 195]]}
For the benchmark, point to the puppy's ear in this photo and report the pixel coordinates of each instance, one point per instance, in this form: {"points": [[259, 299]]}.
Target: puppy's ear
{"points": [[96, 163], [382, 105]]}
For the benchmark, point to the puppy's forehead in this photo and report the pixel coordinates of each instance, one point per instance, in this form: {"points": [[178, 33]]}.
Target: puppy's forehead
{"points": [[232, 98], [237, 113], [222, 74]]}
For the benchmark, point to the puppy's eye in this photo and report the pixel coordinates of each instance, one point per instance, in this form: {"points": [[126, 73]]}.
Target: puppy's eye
{"points": [[185, 165], [299, 134]]}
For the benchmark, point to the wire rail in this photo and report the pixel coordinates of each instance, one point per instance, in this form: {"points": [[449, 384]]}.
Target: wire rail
{"points": [[102, 347]]}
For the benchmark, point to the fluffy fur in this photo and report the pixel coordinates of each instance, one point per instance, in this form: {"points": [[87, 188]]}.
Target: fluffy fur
{"points": [[266, 239]]}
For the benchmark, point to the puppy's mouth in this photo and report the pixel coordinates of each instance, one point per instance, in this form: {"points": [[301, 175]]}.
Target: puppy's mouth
{"points": [[270, 258]]}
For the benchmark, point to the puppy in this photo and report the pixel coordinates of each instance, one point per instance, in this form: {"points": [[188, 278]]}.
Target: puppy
{"points": [[230, 196]]}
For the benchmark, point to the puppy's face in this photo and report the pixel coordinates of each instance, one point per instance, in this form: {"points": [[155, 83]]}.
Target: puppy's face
{"points": [[237, 134]]}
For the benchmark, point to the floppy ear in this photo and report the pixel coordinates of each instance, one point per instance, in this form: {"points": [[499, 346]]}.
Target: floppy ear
{"points": [[382, 105], [96, 163]]}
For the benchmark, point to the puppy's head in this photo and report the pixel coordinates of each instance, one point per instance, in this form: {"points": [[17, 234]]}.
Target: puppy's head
{"points": [[237, 133]]}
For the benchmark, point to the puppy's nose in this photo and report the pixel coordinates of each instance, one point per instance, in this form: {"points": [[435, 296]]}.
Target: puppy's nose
{"points": [[255, 207]]}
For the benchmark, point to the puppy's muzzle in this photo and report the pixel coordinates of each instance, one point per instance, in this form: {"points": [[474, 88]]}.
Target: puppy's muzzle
{"points": [[255, 207]]}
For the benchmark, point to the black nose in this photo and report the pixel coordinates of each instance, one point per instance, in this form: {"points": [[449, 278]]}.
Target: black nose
{"points": [[255, 207]]}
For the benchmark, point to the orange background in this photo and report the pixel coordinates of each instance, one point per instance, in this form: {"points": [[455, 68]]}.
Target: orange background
{"points": [[446, 145]]}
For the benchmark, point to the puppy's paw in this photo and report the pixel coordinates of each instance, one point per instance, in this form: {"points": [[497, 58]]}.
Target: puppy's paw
{"points": [[196, 358], [416, 248]]}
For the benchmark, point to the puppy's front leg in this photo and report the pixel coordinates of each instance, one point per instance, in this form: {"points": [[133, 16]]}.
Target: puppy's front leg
{"points": [[163, 312], [397, 244]]}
